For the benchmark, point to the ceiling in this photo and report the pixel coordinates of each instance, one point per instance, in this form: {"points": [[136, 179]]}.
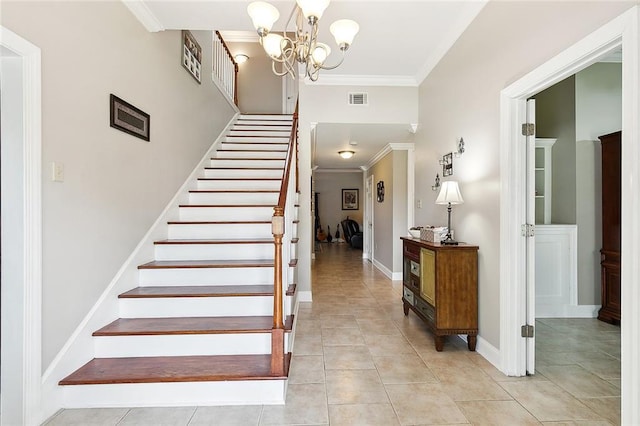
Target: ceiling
{"points": [[425, 28]]}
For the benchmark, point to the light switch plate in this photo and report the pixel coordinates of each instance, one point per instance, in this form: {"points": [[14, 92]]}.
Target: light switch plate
{"points": [[57, 172]]}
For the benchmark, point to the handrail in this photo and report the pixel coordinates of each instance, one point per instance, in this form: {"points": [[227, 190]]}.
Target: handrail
{"points": [[278, 230], [225, 68]]}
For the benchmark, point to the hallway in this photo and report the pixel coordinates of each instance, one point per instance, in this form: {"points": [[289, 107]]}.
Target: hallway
{"points": [[359, 361]]}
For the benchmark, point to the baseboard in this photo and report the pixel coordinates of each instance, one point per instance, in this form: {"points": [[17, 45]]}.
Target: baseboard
{"points": [[486, 350], [393, 276], [79, 348], [567, 311]]}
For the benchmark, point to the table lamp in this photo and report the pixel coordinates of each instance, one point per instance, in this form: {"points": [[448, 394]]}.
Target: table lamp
{"points": [[449, 194]]}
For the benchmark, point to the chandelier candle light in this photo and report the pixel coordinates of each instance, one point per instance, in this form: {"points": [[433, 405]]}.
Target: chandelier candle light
{"points": [[449, 194], [302, 47]]}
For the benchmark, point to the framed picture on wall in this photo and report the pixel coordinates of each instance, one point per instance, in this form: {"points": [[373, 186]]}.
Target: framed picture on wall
{"points": [[350, 199], [124, 116], [191, 54]]}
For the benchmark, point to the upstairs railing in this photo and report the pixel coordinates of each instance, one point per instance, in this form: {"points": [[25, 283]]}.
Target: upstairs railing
{"points": [[225, 68], [282, 229]]}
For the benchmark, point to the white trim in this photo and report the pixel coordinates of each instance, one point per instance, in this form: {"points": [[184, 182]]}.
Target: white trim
{"points": [[363, 80], [571, 233], [319, 170], [624, 31], [486, 350], [305, 296], [394, 146], [471, 10], [410, 186], [567, 311], [141, 11], [32, 232], [223, 90], [231, 36], [79, 347]]}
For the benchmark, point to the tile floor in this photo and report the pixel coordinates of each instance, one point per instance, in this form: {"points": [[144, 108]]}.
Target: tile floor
{"points": [[359, 361]]}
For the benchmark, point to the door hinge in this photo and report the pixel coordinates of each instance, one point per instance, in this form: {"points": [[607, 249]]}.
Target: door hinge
{"points": [[528, 230], [527, 331], [528, 129]]}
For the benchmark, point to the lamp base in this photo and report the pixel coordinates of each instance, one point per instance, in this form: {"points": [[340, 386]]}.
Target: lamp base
{"points": [[449, 241]]}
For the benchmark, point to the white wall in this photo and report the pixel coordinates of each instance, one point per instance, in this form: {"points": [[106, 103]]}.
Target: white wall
{"points": [[329, 186], [461, 98], [115, 184]]}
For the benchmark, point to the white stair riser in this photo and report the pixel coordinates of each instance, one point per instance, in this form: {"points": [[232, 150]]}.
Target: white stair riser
{"points": [[255, 146], [206, 276], [171, 307], [211, 214], [219, 162], [251, 154], [280, 123], [183, 345], [294, 250], [240, 139], [244, 173], [270, 198], [265, 133], [266, 126], [268, 117], [225, 184], [213, 251], [220, 231], [249, 392]]}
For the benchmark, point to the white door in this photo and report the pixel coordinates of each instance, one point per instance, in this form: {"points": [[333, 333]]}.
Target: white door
{"points": [[530, 243], [289, 94], [368, 220]]}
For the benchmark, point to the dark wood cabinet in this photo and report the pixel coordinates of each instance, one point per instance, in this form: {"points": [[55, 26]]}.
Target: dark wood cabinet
{"points": [[440, 284], [611, 206]]}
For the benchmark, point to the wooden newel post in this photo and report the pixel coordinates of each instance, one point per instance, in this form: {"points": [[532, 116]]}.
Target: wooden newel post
{"points": [[277, 332]]}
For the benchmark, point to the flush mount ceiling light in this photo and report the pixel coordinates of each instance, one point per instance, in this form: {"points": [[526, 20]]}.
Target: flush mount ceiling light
{"points": [[346, 154], [241, 58], [302, 46]]}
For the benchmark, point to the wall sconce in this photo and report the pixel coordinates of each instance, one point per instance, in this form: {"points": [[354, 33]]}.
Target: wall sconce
{"points": [[346, 154], [460, 150], [437, 183]]}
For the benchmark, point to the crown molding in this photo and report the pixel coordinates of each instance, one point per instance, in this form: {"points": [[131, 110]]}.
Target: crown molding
{"points": [[319, 170], [141, 11], [240, 36], [387, 149], [363, 80]]}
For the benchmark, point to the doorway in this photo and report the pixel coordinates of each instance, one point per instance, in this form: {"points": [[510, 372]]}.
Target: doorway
{"points": [[367, 253], [20, 142], [622, 31]]}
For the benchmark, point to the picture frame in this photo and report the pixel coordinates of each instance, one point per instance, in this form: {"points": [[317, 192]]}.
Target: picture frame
{"points": [[129, 119], [191, 55], [380, 191], [447, 164], [350, 199]]}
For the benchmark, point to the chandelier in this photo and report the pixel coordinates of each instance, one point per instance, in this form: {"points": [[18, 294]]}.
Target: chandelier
{"points": [[303, 46]]}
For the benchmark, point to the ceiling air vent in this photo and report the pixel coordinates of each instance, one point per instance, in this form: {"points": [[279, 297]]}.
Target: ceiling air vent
{"points": [[358, 98]]}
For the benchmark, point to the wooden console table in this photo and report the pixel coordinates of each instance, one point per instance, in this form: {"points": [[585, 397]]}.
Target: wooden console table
{"points": [[440, 284]]}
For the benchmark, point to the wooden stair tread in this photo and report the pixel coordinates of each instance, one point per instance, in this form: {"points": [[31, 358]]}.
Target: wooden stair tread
{"points": [[221, 241], [240, 178], [189, 325], [225, 205], [241, 191], [186, 264], [291, 290], [174, 369], [229, 222], [199, 291]]}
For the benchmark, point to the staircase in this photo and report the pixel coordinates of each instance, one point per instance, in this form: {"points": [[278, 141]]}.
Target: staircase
{"points": [[205, 326]]}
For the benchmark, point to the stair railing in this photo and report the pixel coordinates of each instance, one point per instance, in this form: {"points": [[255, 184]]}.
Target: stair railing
{"points": [[225, 68], [282, 229]]}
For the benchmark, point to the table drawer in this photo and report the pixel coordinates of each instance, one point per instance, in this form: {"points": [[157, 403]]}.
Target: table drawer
{"points": [[412, 250], [408, 296], [426, 309]]}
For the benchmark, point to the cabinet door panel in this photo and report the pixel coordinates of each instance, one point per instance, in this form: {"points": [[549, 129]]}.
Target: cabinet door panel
{"points": [[428, 274]]}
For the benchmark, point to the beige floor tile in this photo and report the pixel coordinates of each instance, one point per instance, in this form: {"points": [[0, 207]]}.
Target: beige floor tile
{"points": [[362, 415], [87, 416], [469, 384], [496, 413], [307, 327], [609, 408], [310, 344], [378, 327], [404, 368], [616, 382], [579, 382], [381, 345], [445, 359], [342, 337], [305, 404], [240, 415], [355, 387], [605, 369], [579, 423], [347, 358], [159, 416], [432, 406], [338, 321], [306, 369], [548, 402]]}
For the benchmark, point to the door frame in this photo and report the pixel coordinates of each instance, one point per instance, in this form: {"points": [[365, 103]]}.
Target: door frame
{"points": [[621, 31], [368, 231], [25, 356]]}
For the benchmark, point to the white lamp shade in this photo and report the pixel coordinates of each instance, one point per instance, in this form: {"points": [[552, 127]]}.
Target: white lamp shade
{"points": [[449, 193], [313, 8], [320, 53], [272, 44], [263, 15], [344, 31]]}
